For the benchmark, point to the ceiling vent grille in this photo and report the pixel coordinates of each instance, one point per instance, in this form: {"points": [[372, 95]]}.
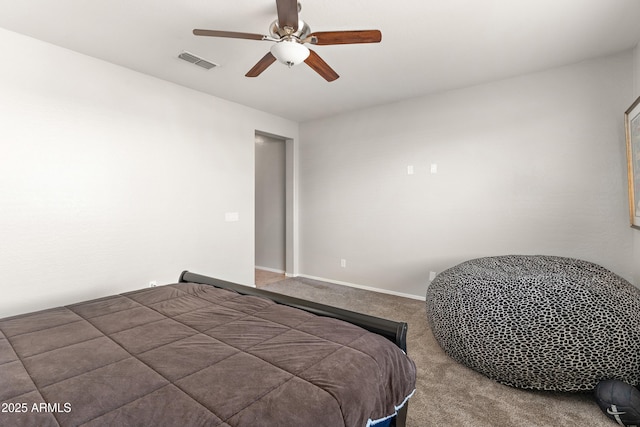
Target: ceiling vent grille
{"points": [[200, 62]]}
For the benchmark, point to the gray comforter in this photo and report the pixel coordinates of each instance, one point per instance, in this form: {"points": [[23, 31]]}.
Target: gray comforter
{"points": [[195, 355]]}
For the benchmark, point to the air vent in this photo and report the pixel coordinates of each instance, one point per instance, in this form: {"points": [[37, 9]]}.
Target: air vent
{"points": [[200, 62]]}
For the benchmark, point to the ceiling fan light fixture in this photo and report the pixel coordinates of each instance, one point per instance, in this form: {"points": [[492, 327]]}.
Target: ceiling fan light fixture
{"points": [[290, 52]]}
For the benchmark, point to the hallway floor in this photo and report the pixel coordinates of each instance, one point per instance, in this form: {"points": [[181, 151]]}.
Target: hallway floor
{"points": [[264, 277]]}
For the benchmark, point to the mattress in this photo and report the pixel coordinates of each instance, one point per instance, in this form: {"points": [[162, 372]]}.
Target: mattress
{"points": [[190, 354]]}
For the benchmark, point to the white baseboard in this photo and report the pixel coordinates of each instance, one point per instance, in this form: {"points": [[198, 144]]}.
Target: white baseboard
{"points": [[367, 288]]}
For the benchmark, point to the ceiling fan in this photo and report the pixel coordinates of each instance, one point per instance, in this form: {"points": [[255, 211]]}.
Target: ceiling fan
{"points": [[290, 34]]}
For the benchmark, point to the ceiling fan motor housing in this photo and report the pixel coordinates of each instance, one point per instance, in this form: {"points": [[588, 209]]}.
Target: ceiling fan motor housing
{"points": [[301, 33]]}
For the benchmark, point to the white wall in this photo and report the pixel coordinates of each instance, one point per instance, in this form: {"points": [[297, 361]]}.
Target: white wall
{"points": [[636, 94], [530, 165], [110, 179], [270, 203]]}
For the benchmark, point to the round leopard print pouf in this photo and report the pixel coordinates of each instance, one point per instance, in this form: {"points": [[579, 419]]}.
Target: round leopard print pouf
{"points": [[538, 322]]}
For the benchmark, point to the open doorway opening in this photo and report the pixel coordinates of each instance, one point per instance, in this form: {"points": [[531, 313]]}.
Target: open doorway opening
{"points": [[274, 208]]}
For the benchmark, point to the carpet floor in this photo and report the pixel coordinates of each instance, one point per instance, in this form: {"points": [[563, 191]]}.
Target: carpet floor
{"points": [[448, 393]]}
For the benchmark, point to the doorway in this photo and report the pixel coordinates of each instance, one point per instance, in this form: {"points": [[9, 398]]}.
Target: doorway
{"points": [[274, 208]]}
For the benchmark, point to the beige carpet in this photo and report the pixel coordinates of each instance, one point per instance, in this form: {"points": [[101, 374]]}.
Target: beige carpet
{"points": [[448, 393]]}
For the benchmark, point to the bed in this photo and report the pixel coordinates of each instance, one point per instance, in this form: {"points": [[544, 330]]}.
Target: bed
{"points": [[203, 352]]}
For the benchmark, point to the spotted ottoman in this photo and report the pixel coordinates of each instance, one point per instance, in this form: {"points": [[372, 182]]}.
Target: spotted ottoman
{"points": [[538, 322]]}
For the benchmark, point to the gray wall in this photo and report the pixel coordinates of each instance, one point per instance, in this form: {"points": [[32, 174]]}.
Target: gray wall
{"points": [[270, 203], [110, 179], [534, 164], [105, 188], [636, 94]]}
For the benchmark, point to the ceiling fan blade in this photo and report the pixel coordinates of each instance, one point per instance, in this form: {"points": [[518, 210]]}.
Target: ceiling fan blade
{"points": [[262, 65], [314, 61], [287, 13], [344, 37], [230, 34]]}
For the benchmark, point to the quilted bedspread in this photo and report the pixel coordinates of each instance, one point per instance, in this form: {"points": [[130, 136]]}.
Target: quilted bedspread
{"points": [[195, 355]]}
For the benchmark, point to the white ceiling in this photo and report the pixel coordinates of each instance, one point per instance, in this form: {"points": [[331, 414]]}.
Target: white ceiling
{"points": [[427, 45]]}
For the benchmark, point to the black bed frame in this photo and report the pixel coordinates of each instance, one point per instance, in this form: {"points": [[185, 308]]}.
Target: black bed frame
{"points": [[394, 331]]}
